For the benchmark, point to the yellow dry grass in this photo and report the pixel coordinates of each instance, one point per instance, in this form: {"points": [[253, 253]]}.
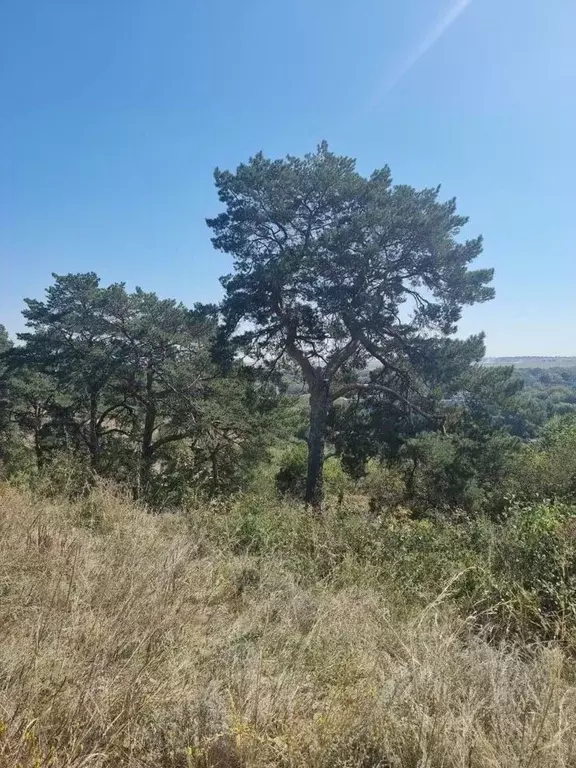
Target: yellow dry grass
{"points": [[132, 640]]}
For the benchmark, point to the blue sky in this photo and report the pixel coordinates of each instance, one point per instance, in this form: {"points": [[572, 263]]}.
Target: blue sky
{"points": [[113, 114]]}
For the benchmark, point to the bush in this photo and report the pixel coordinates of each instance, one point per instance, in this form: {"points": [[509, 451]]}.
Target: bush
{"points": [[546, 469], [525, 585], [385, 488], [291, 475], [455, 473]]}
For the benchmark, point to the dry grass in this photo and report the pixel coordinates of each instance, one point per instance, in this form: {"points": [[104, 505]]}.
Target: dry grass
{"points": [[130, 640]]}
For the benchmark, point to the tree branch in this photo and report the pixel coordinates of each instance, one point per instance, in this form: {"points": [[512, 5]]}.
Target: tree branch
{"points": [[169, 439], [300, 358], [394, 394], [114, 429], [339, 358], [109, 410]]}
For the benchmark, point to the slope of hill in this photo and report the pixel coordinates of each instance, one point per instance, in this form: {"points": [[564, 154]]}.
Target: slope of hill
{"points": [[252, 636]]}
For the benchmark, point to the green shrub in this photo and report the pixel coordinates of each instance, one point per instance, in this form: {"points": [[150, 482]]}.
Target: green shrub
{"points": [[517, 577], [291, 476], [546, 469], [525, 582], [452, 473], [385, 488]]}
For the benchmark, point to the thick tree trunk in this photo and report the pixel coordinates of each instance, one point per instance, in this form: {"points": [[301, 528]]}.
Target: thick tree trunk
{"points": [[94, 436], [38, 451], [145, 471], [319, 405], [147, 447], [37, 443]]}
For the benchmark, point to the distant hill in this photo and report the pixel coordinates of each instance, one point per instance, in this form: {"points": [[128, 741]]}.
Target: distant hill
{"points": [[532, 362]]}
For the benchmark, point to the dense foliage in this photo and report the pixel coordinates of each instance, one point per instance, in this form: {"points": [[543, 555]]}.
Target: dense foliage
{"points": [[334, 271], [134, 388]]}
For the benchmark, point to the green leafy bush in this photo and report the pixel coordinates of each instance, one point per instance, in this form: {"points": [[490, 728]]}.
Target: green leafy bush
{"points": [[291, 476], [521, 583], [546, 469]]}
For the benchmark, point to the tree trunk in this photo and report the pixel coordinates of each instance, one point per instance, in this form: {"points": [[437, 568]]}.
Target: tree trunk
{"points": [[215, 471], [145, 471], [94, 436], [319, 405], [38, 451], [147, 447], [37, 444]]}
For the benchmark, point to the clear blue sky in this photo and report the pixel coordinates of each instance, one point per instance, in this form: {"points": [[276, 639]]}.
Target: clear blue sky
{"points": [[113, 114]]}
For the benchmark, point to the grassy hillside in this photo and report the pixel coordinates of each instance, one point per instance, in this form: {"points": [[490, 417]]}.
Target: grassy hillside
{"points": [[252, 635]]}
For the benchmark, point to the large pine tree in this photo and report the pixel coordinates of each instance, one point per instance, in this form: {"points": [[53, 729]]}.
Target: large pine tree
{"points": [[336, 271]]}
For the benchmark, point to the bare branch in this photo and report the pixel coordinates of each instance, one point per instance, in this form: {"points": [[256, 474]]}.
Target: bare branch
{"points": [[114, 430], [394, 394], [299, 357], [110, 410], [169, 439], [340, 357]]}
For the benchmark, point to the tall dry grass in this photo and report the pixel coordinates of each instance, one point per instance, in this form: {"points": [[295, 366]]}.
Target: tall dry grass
{"points": [[132, 640]]}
